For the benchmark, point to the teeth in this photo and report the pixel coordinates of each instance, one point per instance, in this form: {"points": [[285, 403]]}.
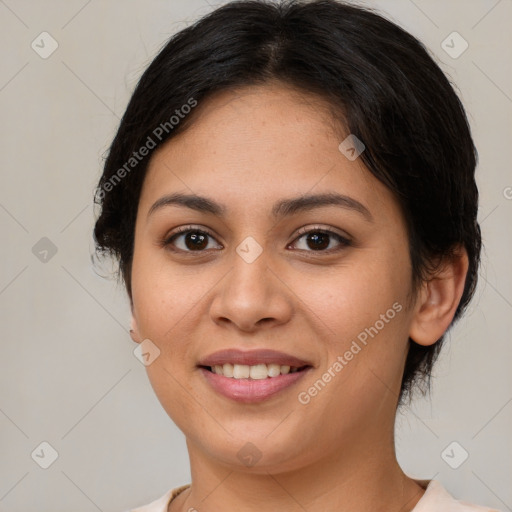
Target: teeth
{"points": [[273, 370], [241, 371], [256, 372], [226, 370]]}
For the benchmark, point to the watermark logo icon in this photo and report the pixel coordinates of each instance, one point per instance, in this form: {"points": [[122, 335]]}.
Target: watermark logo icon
{"points": [[454, 455], [44, 45], [44, 455], [249, 454], [44, 250], [454, 45], [249, 250], [146, 352], [352, 147]]}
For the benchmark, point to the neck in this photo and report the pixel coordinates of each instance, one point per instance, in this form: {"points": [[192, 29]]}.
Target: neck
{"points": [[356, 479]]}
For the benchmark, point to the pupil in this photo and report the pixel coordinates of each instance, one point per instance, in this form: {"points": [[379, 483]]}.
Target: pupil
{"points": [[197, 241], [316, 237]]}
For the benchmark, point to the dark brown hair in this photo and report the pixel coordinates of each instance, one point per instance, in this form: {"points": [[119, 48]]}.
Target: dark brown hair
{"points": [[387, 89]]}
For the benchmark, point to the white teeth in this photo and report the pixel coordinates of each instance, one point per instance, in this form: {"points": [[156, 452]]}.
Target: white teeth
{"points": [[273, 370], [227, 370], [256, 372], [241, 371]]}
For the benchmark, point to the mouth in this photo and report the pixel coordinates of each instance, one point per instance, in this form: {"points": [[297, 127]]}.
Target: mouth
{"points": [[253, 372], [252, 376]]}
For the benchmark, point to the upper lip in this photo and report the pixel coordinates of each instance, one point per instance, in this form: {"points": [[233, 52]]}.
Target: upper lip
{"points": [[252, 357]]}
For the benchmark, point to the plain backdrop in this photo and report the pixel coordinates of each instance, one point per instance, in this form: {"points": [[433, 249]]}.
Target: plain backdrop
{"points": [[68, 375]]}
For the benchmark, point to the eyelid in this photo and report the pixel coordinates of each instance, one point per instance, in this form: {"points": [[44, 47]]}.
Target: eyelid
{"points": [[344, 240], [325, 229], [185, 229], [342, 237]]}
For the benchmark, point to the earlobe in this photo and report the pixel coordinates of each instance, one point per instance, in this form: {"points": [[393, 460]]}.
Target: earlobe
{"points": [[438, 299], [134, 330]]}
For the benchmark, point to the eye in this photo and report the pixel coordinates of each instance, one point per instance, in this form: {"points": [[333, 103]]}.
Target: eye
{"points": [[319, 239], [190, 239]]}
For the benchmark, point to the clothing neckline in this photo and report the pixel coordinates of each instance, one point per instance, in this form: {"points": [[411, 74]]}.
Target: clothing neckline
{"points": [[429, 486]]}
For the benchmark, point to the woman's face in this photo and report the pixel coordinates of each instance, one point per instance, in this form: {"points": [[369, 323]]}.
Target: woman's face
{"points": [[253, 279]]}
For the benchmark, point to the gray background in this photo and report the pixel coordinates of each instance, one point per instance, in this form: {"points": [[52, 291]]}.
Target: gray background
{"points": [[68, 375]]}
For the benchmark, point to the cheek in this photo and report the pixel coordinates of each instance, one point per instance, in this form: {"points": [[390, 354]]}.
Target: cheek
{"points": [[364, 308], [156, 287], [352, 296], [164, 301], [169, 300], [161, 298]]}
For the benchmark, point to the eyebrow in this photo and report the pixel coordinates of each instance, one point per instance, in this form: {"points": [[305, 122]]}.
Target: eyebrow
{"points": [[282, 208]]}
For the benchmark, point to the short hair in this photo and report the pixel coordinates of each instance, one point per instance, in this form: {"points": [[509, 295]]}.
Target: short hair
{"points": [[383, 86]]}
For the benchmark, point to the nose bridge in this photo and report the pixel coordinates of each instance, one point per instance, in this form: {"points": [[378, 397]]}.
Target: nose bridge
{"points": [[251, 292], [249, 280]]}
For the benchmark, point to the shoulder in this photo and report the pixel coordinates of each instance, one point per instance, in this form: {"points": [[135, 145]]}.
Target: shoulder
{"points": [[161, 504], [438, 499]]}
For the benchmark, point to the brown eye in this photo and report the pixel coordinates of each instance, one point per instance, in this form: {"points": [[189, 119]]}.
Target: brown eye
{"points": [[195, 241], [319, 240], [189, 240]]}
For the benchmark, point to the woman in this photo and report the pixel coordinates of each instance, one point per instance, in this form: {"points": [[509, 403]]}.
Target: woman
{"points": [[292, 201]]}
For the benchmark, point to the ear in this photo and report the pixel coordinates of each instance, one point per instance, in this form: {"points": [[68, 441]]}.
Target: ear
{"points": [[134, 329], [439, 298]]}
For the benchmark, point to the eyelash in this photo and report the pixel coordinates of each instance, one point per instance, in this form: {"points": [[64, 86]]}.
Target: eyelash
{"points": [[167, 242]]}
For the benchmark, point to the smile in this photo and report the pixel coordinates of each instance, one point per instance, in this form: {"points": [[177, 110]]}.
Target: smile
{"points": [[255, 372], [244, 388], [250, 376]]}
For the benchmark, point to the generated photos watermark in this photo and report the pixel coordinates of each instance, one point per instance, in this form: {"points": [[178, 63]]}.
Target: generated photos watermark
{"points": [[158, 133], [356, 346]]}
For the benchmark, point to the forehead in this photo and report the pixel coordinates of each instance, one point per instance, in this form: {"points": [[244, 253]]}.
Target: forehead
{"points": [[259, 144]]}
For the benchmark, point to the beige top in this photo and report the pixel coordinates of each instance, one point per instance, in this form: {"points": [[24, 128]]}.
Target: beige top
{"points": [[435, 499]]}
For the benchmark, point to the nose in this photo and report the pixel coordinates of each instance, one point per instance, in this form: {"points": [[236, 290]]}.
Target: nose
{"points": [[252, 296]]}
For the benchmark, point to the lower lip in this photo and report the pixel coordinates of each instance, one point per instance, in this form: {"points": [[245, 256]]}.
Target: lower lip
{"points": [[251, 390]]}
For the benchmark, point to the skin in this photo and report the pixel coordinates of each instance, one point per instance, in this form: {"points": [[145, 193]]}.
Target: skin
{"points": [[337, 451]]}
